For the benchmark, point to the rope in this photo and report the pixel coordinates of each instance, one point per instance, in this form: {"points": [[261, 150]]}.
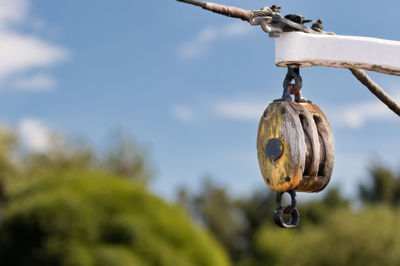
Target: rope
{"points": [[229, 11], [194, 2], [376, 90], [263, 13]]}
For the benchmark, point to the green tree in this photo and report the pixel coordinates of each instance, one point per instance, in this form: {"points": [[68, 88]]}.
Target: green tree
{"points": [[384, 186], [59, 158], [257, 210], [367, 237], [315, 212], [8, 168], [122, 158], [232, 221], [218, 212], [8, 148], [125, 158], [237, 222], [78, 217]]}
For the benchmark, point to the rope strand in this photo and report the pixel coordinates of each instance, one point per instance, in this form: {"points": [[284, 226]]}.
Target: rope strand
{"points": [[376, 90], [194, 2], [229, 11]]}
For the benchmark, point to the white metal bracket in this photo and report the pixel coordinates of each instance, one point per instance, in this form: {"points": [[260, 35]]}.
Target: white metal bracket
{"points": [[305, 49]]}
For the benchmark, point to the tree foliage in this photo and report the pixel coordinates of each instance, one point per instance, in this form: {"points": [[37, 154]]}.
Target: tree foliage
{"points": [[74, 206], [366, 237], [233, 222], [125, 158], [122, 158], [331, 232], [89, 218], [383, 188]]}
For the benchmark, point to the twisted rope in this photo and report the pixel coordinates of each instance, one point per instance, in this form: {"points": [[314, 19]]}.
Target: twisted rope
{"points": [[376, 90], [194, 2], [229, 11]]}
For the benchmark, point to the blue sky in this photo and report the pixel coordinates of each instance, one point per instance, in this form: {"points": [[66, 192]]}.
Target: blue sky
{"points": [[188, 84]]}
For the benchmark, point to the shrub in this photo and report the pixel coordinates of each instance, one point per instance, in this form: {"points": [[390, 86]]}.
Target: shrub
{"points": [[86, 218]]}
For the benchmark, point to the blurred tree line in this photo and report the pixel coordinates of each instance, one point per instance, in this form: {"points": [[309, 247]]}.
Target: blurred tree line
{"points": [[73, 206], [332, 231]]}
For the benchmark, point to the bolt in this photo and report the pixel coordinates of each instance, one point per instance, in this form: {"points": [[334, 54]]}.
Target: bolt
{"points": [[274, 148]]}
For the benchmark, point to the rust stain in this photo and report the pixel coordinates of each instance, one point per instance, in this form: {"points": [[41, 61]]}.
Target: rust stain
{"points": [[281, 174]]}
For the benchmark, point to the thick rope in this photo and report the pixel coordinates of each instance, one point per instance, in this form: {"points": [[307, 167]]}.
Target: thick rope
{"points": [[194, 2], [229, 11], [376, 90]]}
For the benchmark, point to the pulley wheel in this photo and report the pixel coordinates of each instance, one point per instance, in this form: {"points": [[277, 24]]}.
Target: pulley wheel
{"points": [[295, 147]]}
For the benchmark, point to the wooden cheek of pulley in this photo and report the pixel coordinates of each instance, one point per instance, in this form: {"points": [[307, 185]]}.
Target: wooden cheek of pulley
{"points": [[295, 147]]}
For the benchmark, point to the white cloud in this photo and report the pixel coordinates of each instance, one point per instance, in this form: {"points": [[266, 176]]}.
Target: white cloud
{"points": [[355, 115], [22, 52], [39, 82], [183, 113], [13, 11], [249, 110], [244, 110], [35, 135], [358, 114], [203, 39], [235, 29], [19, 53]]}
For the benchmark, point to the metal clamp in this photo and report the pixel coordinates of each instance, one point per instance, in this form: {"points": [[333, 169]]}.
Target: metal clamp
{"points": [[269, 18], [265, 23], [274, 23], [291, 209]]}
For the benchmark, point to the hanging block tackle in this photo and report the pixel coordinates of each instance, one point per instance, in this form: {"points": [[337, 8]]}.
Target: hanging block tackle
{"points": [[294, 142]]}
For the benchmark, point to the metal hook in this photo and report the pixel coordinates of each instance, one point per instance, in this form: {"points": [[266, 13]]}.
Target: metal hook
{"points": [[265, 23], [293, 73], [291, 209]]}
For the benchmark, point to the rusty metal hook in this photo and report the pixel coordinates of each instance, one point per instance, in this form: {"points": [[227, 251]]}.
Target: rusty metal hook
{"points": [[291, 209], [293, 74]]}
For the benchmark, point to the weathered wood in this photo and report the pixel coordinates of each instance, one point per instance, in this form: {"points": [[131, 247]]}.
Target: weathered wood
{"points": [[295, 147], [275, 172], [338, 51], [323, 154]]}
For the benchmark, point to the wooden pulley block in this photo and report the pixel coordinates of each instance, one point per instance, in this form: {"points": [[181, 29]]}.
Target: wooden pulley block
{"points": [[295, 147]]}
